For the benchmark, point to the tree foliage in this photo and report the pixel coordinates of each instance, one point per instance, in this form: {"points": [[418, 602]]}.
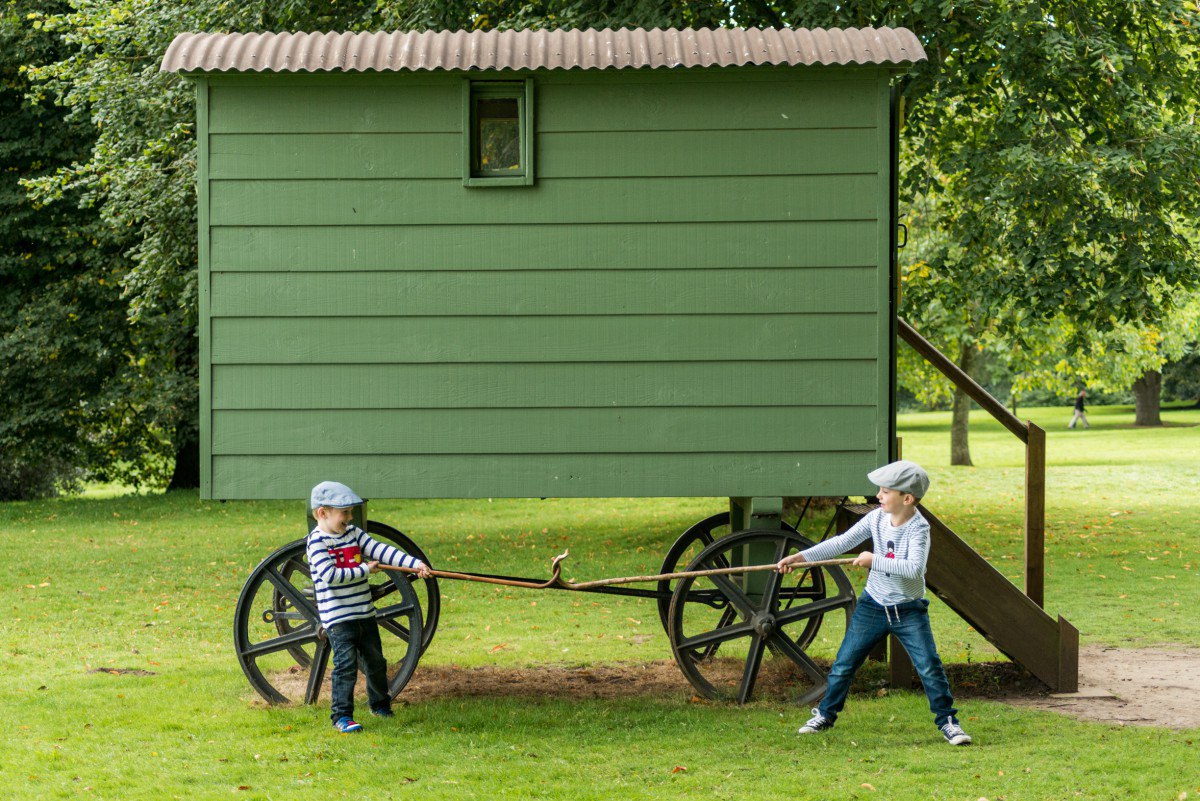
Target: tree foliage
{"points": [[64, 342], [1051, 158], [1110, 362]]}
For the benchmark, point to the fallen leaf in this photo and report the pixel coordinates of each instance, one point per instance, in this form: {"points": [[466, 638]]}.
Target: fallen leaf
{"points": [[243, 787], [679, 769], [498, 647], [866, 786]]}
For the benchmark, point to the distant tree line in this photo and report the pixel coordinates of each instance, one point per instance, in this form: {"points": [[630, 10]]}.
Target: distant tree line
{"points": [[1049, 175]]}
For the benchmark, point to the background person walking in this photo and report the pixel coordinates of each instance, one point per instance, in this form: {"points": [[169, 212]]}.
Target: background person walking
{"points": [[1079, 415]]}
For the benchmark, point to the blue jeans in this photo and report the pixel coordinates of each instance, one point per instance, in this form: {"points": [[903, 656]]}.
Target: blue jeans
{"points": [[357, 642], [869, 624]]}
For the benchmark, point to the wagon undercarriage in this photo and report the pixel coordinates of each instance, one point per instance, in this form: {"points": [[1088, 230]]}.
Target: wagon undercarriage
{"points": [[734, 623]]}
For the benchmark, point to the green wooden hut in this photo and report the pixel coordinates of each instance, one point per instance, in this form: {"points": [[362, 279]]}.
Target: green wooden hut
{"points": [[546, 263], [568, 263]]}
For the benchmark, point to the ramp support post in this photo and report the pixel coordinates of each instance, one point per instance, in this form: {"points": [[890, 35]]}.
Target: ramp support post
{"points": [[1035, 515]]}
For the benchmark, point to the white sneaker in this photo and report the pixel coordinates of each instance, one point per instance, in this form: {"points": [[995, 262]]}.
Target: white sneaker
{"points": [[954, 733], [817, 723]]}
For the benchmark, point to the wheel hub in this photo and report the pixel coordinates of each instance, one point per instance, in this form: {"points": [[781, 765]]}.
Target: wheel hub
{"points": [[764, 623]]}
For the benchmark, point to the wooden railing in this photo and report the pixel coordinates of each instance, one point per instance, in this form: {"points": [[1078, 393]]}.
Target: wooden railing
{"points": [[1035, 457]]}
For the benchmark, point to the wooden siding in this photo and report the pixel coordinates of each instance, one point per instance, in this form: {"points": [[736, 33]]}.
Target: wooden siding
{"points": [[686, 302]]}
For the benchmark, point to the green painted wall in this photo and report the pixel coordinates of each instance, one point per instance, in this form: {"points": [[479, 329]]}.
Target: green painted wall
{"points": [[691, 299]]}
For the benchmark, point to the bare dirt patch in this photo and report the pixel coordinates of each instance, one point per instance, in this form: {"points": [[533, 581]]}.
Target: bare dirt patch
{"points": [[122, 671], [658, 679], [1143, 687]]}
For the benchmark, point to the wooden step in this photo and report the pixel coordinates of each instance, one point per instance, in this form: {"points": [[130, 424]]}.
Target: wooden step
{"points": [[993, 605]]}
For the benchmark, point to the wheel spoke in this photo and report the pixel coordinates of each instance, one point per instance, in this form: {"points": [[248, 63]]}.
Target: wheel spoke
{"points": [[393, 627], [294, 565], [735, 595], [750, 673], [780, 550], [717, 636], [794, 652], [815, 609], [379, 591], [727, 616], [393, 611], [290, 591], [316, 676], [302, 636], [770, 594]]}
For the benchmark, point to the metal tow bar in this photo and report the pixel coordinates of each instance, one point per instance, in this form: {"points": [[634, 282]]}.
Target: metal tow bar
{"points": [[556, 581]]}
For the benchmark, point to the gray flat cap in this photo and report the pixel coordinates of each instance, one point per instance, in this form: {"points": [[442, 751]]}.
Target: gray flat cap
{"points": [[902, 476], [333, 495]]}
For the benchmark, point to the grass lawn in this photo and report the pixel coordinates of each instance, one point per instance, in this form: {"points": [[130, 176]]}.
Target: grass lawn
{"points": [[149, 583]]}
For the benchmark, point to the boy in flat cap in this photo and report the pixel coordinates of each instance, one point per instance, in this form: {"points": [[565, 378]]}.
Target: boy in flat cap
{"points": [[893, 601], [336, 550]]}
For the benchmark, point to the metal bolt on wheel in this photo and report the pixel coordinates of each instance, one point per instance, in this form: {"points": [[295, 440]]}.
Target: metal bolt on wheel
{"points": [[760, 622]]}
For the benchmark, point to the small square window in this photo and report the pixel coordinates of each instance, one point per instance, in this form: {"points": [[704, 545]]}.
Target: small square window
{"points": [[496, 128]]}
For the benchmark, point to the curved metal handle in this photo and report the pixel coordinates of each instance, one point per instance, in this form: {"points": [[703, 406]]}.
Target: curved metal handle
{"points": [[903, 244]]}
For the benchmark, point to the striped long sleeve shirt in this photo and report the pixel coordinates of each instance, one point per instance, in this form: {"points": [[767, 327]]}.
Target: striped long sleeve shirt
{"points": [[901, 553], [338, 566]]}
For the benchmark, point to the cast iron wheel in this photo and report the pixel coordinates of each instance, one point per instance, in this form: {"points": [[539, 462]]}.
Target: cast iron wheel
{"points": [[767, 620], [268, 657], [287, 619], [689, 545]]}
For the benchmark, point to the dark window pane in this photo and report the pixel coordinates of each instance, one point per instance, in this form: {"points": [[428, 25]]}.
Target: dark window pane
{"points": [[498, 134]]}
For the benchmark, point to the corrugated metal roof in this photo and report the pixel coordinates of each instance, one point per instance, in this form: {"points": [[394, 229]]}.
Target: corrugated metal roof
{"points": [[538, 49]]}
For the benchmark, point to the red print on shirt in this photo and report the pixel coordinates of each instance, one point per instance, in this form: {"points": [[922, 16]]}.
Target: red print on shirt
{"points": [[350, 556]]}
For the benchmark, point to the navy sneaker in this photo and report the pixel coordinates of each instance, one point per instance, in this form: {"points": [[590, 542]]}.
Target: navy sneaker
{"points": [[954, 733], [383, 713], [817, 723], [347, 726]]}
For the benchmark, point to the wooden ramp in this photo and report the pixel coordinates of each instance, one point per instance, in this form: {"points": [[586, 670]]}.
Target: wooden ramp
{"points": [[993, 605]]}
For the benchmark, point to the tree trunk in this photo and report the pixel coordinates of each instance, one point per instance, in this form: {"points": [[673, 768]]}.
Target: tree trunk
{"points": [[1147, 392], [187, 464], [960, 449]]}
